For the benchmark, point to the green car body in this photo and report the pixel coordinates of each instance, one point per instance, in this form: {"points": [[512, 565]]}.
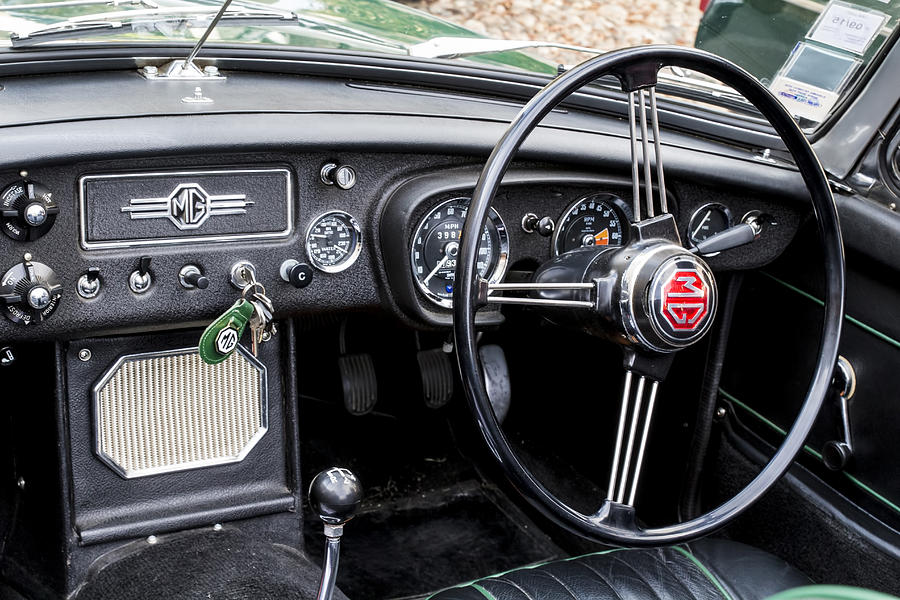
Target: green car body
{"points": [[379, 26], [760, 35]]}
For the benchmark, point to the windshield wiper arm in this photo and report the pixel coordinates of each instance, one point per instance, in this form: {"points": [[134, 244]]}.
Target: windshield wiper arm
{"points": [[113, 22]]}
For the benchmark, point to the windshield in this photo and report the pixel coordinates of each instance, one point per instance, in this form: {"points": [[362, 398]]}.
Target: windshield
{"points": [[811, 53]]}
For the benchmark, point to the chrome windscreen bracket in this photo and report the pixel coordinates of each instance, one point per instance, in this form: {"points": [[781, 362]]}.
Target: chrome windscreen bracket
{"points": [[181, 70], [187, 69]]}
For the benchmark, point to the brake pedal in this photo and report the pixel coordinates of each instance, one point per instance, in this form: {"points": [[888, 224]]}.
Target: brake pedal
{"points": [[436, 371]]}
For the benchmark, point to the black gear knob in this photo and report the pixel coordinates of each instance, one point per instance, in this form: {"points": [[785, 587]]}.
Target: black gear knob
{"points": [[335, 495]]}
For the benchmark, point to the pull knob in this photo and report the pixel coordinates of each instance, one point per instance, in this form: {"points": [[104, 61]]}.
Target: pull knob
{"points": [[191, 277], [296, 273], [543, 225], [342, 176], [29, 292], [27, 210]]}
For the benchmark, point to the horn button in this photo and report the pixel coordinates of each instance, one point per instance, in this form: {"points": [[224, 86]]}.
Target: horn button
{"points": [[651, 294]]}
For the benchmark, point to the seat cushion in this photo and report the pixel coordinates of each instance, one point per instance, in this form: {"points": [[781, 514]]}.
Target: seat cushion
{"points": [[708, 569]]}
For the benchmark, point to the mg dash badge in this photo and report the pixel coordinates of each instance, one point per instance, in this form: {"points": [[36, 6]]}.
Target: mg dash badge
{"points": [[188, 206]]}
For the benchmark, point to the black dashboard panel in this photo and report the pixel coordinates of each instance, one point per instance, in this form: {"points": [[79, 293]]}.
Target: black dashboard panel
{"points": [[405, 162], [393, 191]]}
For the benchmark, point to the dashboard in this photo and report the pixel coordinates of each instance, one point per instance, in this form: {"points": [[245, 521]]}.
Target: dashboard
{"points": [[118, 246], [144, 222]]}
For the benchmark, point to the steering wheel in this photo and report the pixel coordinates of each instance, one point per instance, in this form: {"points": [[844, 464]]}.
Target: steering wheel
{"points": [[651, 296]]}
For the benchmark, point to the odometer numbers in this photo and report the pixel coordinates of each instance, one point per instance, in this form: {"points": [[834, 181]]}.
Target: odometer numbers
{"points": [[435, 249]]}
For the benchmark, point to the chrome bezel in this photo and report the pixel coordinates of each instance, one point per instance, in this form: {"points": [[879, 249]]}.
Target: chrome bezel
{"points": [[717, 205], [619, 210], [177, 240], [502, 260], [351, 257]]}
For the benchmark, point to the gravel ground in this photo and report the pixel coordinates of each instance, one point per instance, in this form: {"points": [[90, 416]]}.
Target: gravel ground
{"points": [[602, 24]]}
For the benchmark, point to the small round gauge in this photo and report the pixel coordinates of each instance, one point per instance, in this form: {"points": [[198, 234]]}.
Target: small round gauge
{"points": [[333, 241], [595, 220], [435, 246], [708, 220]]}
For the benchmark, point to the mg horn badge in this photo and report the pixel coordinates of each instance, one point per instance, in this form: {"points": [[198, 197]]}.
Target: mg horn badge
{"points": [[682, 300], [188, 206]]}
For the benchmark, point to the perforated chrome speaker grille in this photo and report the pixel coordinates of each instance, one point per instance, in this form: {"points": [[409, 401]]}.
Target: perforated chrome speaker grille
{"points": [[170, 411]]}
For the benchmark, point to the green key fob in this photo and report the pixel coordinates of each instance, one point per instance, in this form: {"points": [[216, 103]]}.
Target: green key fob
{"points": [[222, 336]]}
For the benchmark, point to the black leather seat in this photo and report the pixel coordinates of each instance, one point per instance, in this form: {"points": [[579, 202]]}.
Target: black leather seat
{"points": [[707, 569]]}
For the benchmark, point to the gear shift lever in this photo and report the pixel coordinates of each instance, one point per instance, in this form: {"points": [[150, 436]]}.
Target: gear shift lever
{"points": [[334, 495]]}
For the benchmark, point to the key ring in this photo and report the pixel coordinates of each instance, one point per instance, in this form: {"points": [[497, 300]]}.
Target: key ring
{"points": [[253, 285]]}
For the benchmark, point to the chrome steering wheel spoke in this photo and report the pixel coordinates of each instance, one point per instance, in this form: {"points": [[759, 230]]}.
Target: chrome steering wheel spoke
{"points": [[487, 290], [638, 130], [625, 472]]}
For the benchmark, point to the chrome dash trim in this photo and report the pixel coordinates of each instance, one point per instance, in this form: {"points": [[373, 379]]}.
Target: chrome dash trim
{"points": [[178, 240]]}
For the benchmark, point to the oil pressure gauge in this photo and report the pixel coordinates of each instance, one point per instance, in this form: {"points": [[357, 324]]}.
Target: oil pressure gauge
{"points": [[333, 241], [707, 221]]}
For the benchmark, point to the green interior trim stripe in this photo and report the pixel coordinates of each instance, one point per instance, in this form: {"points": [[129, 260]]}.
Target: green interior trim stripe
{"points": [[854, 480], [706, 572], [474, 582], [868, 328], [830, 592], [483, 591]]}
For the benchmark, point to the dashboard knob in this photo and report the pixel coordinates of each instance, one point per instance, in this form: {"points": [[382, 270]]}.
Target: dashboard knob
{"points": [[543, 225], [29, 292], [192, 277], [343, 176], [296, 273], [27, 210]]}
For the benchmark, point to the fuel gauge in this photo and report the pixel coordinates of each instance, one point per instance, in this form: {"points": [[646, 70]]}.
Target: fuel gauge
{"points": [[707, 221]]}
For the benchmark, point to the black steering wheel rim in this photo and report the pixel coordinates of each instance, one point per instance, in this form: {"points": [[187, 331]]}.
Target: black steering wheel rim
{"points": [[625, 64]]}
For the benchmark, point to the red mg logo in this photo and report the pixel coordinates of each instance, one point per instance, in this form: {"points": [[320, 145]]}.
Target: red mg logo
{"points": [[685, 301]]}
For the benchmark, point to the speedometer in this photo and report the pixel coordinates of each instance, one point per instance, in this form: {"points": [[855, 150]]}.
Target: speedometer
{"points": [[595, 220], [435, 247]]}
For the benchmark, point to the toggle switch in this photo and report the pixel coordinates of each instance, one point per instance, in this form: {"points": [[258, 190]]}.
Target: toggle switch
{"points": [[88, 285], [140, 279]]}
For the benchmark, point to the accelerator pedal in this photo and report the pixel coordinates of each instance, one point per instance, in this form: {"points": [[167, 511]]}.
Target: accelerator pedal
{"points": [[358, 382], [496, 378]]}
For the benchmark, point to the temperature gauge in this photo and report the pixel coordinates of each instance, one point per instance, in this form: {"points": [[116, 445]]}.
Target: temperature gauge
{"points": [[333, 241]]}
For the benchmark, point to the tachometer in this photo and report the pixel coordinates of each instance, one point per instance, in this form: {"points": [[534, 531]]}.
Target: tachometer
{"points": [[595, 220], [435, 247], [333, 241]]}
